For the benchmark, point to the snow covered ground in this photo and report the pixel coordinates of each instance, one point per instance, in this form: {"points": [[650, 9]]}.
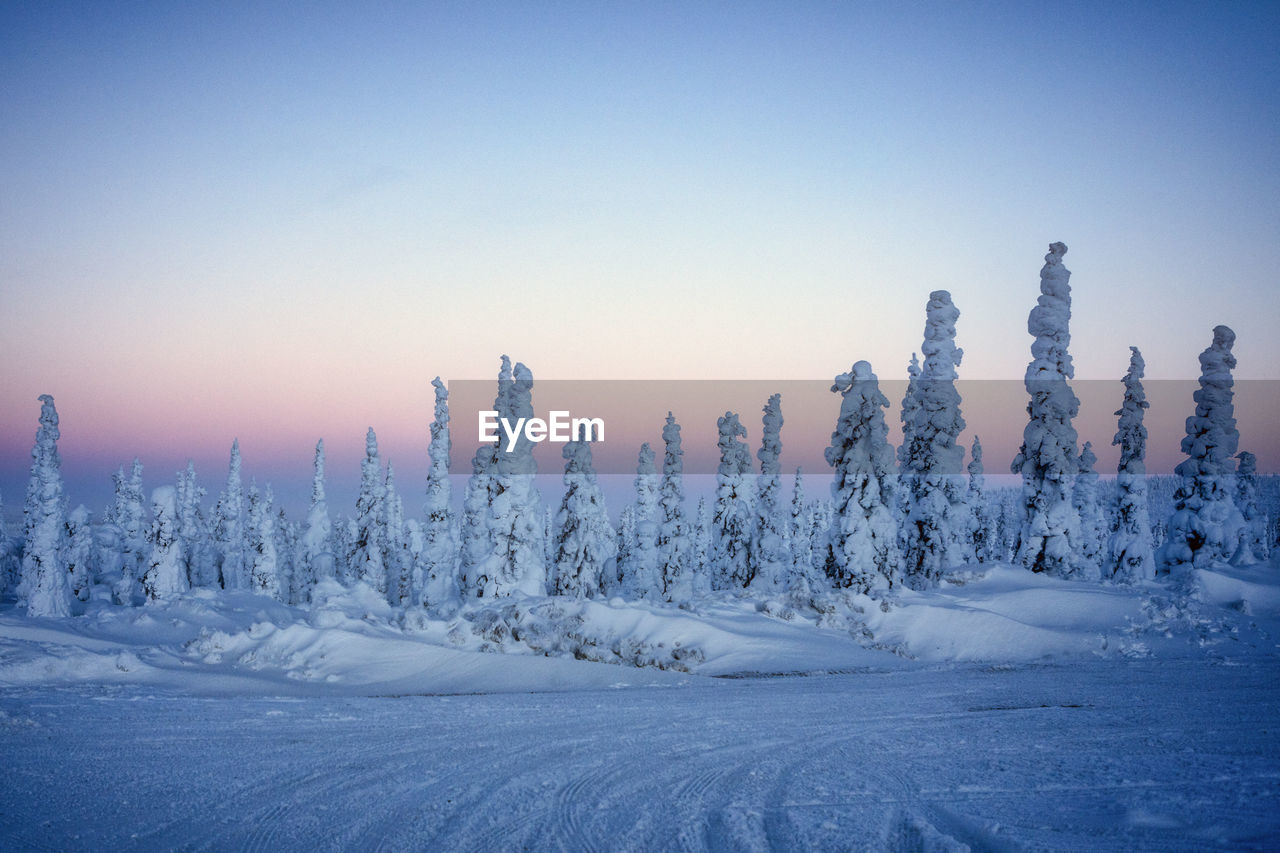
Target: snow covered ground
{"points": [[1003, 710]]}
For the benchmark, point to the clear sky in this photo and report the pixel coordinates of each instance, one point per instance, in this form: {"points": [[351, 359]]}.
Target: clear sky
{"points": [[279, 221]]}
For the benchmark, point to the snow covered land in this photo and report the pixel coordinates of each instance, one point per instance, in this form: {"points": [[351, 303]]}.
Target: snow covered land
{"points": [[910, 662]]}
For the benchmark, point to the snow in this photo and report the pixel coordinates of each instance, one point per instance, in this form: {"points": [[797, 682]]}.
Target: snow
{"points": [[1143, 755], [1003, 709]]}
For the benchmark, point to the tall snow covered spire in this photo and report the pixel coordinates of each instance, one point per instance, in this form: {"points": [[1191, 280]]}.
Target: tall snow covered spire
{"points": [[861, 551], [315, 560], [1049, 540], [476, 544], [439, 550], [1206, 524], [771, 549], [45, 587], [978, 516], [674, 545], [935, 508], [638, 568], [585, 541], [228, 527], [516, 561], [1129, 552], [398, 558], [733, 564], [365, 562]]}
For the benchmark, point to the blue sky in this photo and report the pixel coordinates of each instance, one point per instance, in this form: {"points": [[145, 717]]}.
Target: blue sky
{"points": [[279, 221]]}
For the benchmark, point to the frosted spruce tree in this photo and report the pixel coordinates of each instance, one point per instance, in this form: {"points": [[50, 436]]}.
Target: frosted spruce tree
{"points": [[638, 569], [166, 568], [294, 589], [45, 588], [674, 543], [1093, 527], [476, 537], [700, 574], [79, 553], [585, 540], [398, 557], [129, 517], [1205, 526], [228, 526], [934, 524], [733, 565], [315, 561], [198, 561], [366, 562], [979, 515], [617, 581], [439, 549], [771, 548], [262, 568], [10, 566], [861, 550], [908, 416], [1049, 539], [515, 563], [803, 580], [1253, 537], [1129, 552]]}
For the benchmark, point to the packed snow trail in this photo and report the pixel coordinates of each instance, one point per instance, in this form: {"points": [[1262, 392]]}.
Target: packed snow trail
{"points": [[1164, 755]]}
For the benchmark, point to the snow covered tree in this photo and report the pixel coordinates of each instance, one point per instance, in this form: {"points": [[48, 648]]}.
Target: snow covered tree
{"points": [[128, 515], [771, 547], [700, 571], [1130, 551], [733, 565], [515, 562], [908, 418], [861, 551], [10, 565], [934, 524], [1049, 540], [639, 574], [365, 562], [398, 559], [646, 484], [585, 540], [166, 570], [477, 567], [263, 569], [1084, 497], [439, 549], [979, 518], [617, 581], [1253, 539], [294, 588], [79, 554], [228, 526], [198, 563], [674, 545], [45, 585], [315, 561], [1205, 526], [803, 579]]}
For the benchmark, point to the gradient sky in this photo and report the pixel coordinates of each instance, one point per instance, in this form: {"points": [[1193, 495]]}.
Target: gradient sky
{"points": [[279, 221]]}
